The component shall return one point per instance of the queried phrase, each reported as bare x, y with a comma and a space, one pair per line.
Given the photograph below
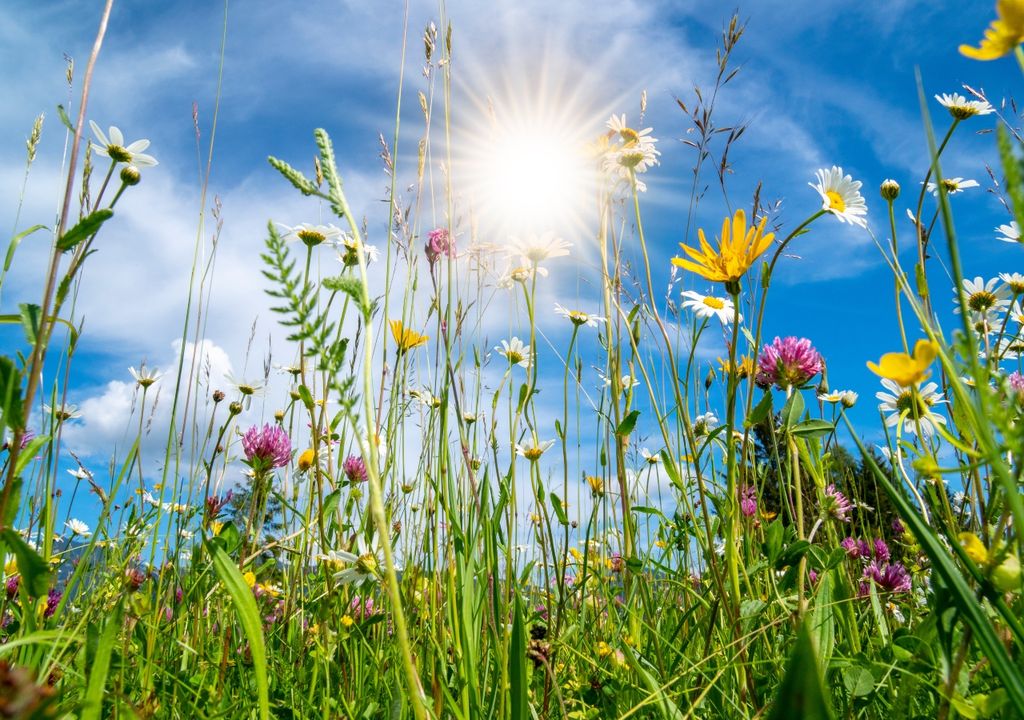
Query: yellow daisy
738, 248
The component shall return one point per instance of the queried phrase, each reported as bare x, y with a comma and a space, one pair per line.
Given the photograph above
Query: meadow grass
436, 526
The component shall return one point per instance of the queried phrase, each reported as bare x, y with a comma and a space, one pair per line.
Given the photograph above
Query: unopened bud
890, 190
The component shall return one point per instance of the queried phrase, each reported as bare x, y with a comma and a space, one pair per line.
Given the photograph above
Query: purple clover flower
1016, 382
267, 447
52, 601
882, 550
439, 243
354, 469
889, 578
748, 500
787, 363
836, 505
852, 547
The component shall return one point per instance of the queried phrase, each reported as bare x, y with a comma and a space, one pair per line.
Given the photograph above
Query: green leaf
15, 241
10, 395
30, 321
249, 616
296, 178
556, 504
351, 286
99, 667
64, 119
86, 227
627, 424
29, 452
518, 681
801, 693
760, 412
793, 410
812, 428
858, 681
35, 573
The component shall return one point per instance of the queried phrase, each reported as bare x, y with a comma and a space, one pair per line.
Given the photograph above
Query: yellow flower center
714, 303
367, 563
533, 454
118, 154
951, 185
629, 136
835, 201
311, 238
981, 300
631, 159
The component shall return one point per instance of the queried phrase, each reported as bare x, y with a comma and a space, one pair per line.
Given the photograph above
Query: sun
527, 170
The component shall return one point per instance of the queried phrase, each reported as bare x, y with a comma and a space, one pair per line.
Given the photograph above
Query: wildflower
881, 550
216, 504
596, 487
306, 460
983, 298
1003, 35
533, 451
266, 447
706, 306
835, 504
744, 368
143, 378
748, 500
603, 649
348, 251
848, 398
906, 370
789, 362
649, 457
1016, 383
912, 406
250, 579
347, 621
112, 145
77, 527
634, 155
354, 469
1009, 233
840, 195
134, 578
439, 243
738, 248
515, 351
1014, 282
63, 413
11, 586
889, 577
703, 423
626, 382
961, 108
363, 564
406, 338
247, 387
854, 548
311, 235
80, 473
52, 601
952, 186
578, 317
890, 190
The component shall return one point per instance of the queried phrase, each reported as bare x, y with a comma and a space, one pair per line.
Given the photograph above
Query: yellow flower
603, 649
347, 621
974, 548
406, 338
1003, 35
216, 526
744, 366
305, 461
738, 248
903, 369
250, 578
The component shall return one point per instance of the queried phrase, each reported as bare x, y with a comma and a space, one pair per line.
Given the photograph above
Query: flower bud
130, 175
890, 190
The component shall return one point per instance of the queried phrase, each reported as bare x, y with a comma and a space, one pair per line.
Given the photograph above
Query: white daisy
984, 299
628, 382
533, 451
80, 473
1009, 348
348, 251
515, 351
952, 185
77, 527
1009, 233
635, 152
706, 306
113, 146
144, 378
1014, 282
247, 387
961, 108
519, 274
535, 249
704, 423
578, 317
311, 235
899, 402
65, 411
649, 457
363, 563
840, 195
848, 398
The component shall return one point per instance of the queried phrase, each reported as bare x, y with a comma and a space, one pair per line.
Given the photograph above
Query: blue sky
822, 83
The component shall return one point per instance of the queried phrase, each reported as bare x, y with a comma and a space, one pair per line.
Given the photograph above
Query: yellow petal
974, 548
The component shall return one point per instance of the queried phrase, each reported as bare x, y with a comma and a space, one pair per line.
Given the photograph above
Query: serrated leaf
793, 410
627, 424
84, 228
30, 314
